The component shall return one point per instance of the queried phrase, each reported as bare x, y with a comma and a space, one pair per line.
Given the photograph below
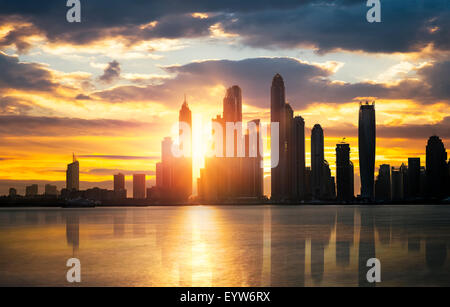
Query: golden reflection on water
226, 246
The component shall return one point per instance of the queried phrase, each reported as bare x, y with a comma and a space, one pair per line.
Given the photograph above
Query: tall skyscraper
436, 168
299, 158
73, 175
277, 115
317, 162
183, 165
139, 186
232, 104
366, 145
344, 172
414, 177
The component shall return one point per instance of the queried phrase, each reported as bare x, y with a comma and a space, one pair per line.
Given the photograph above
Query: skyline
172, 172
109, 87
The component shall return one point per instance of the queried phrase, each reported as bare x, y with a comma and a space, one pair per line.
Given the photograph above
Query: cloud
306, 83
22, 125
108, 171
111, 73
116, 157
406, 26
24, 76
82, 97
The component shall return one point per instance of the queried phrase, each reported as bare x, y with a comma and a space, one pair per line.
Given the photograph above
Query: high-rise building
139, 186
397, 184
299, 158
232, 104
234, 174
413, 177
344, 172
277, 115
183, 165
317, 162
383, 183
436, 168
366, 146
51, 190
159, 175
31, 191
119, 186
73, 175
167, 162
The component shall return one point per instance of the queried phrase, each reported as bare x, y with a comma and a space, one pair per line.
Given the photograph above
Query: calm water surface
226, 246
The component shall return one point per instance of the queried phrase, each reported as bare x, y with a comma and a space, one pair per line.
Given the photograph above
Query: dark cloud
55, 126
325, 25
111, 73
116, 157
23, 76
82, 97
108, 171
305, 83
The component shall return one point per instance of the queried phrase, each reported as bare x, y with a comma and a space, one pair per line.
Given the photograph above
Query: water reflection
227, 246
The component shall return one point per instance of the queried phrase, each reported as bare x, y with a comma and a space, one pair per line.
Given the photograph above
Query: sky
109, 88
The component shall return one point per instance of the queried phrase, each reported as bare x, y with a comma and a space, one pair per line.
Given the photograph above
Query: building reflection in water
344, 234
366, 245
239, 246
73, 230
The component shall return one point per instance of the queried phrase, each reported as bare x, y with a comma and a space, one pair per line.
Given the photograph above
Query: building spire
73, 157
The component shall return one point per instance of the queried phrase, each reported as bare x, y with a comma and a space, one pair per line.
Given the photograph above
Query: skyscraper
119, 186
277, 115
317, 162
183, 165
167, 162
299, 158
139, 186
73, 175
383, 183
366, 145
232, 104
414, 177
344, 172
436, 168
397, 184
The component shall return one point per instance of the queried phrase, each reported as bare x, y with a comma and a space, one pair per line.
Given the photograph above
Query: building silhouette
298, 181
436, 168
31, 190
182, 181
73, 175
366, 146
51, 190
344, 173
414, 177
317, 161
12, 192
383, 183
285, 176
119, 186
139, 186
322, 184
235, 172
